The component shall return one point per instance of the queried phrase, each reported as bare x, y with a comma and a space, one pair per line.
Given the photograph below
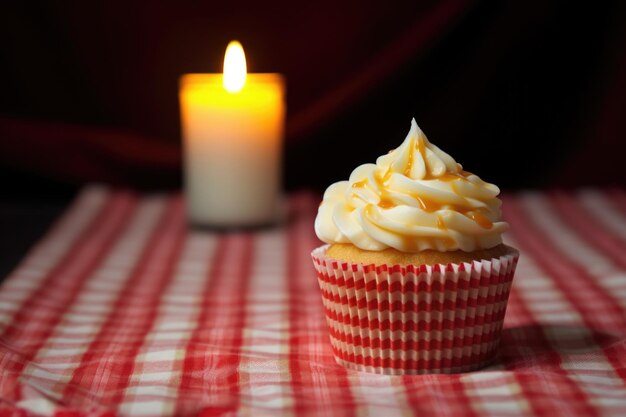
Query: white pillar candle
232, 126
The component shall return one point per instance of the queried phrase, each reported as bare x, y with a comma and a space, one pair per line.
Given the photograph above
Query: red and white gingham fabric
121, 310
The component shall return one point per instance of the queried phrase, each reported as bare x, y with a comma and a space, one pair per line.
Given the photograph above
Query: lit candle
232, 126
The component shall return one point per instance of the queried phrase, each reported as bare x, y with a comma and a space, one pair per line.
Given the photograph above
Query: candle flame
234, 67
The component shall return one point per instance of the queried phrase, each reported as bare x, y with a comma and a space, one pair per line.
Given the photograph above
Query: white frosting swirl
414, 198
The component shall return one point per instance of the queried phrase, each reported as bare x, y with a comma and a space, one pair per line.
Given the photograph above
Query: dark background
526, 94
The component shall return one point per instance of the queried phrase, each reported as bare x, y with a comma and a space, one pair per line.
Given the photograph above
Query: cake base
390, 256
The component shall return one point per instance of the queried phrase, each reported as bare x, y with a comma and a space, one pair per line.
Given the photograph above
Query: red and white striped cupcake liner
395, 320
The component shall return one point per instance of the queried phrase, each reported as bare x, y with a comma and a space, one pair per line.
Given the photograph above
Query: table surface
121, 309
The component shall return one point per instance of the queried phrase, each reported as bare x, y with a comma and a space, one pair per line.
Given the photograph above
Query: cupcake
414, 276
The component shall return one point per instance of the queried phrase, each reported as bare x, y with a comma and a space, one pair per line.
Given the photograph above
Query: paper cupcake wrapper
401, 320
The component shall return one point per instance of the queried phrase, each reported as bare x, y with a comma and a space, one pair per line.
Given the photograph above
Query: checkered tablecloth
122, 310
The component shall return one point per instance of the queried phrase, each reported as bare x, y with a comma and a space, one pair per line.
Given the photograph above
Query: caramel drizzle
421, 145
447, 176
409, 166
480, 219
426, 204
410, 242
360, 184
